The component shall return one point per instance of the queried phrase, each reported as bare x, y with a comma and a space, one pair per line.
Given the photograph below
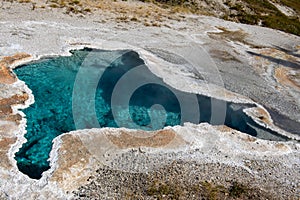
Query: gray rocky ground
254, 65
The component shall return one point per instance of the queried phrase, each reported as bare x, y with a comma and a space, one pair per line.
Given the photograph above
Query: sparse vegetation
206, 190
294, 4
255, 12
237, 190
161, 190
264, 13
24, 1
177, 5
174, 181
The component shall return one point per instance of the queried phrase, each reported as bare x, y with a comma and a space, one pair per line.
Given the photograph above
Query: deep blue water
65, 101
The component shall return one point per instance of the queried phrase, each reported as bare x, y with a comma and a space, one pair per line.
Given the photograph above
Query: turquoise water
154, 105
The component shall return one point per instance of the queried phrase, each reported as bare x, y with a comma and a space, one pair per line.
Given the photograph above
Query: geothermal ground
251, 65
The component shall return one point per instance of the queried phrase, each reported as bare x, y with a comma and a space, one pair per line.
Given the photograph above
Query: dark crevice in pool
52, 81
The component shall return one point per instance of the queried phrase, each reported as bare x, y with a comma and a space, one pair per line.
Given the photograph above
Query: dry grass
244, 11
263, 12
148, 14
294, 4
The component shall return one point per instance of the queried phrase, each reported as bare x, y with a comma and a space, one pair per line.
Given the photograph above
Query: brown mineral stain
232, 35
9, 60
15, 99
159, 139
228, 130
285, 76
6, 75
13, 118
6, 110
223, 128
282, 76
281, 146
263, 116
5, 144
72, 162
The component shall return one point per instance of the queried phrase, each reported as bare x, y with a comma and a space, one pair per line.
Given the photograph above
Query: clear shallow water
151, 106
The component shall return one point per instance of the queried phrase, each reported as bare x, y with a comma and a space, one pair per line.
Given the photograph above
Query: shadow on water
151, 106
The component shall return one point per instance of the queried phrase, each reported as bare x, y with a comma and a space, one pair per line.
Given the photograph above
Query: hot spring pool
54, 82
